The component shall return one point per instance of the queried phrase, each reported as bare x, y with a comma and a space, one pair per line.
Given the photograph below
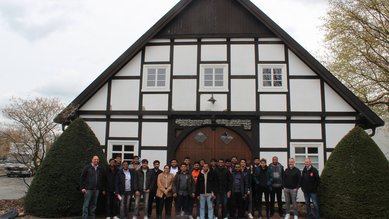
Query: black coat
310, 180
92, 179
139, 177
224, 180
291, 178
211, 183
155, 177
120, 185
243, 186
110, 179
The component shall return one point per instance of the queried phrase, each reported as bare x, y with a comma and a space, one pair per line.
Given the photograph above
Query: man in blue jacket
91, 183
124, 188
263, 179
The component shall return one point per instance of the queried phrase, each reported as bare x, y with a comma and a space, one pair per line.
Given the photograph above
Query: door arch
207, 143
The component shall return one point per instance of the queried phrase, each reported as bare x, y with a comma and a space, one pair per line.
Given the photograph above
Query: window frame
111, 143
272, 88
319, 164
156, 88
203, 88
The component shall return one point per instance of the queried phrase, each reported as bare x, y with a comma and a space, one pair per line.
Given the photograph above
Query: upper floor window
156, 78
214, 77
272, 77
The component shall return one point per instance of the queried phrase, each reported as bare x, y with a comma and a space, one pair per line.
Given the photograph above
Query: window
214, 78
156, 78
300, 151
272, 78
125, 149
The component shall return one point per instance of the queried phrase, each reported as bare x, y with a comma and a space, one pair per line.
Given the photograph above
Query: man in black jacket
124, 188
91, 183
223, 189
291, 184
239, 190
309, 183
156, 171
205, 190
144, 179
110, 183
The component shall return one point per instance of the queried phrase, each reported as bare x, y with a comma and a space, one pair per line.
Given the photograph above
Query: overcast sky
57, 48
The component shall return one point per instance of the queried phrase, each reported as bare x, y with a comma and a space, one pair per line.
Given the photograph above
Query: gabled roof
202, 18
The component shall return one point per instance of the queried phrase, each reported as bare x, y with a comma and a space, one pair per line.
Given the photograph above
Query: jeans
248, 203
137, 203
90, 202
125, 204
205, 198
276, 191
183, 204
110, 204
221, 198
152, 197
291, 194
265, 192
167, 202
308, 197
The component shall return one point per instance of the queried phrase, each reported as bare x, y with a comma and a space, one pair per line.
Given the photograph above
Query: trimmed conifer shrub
355, 179
55, 189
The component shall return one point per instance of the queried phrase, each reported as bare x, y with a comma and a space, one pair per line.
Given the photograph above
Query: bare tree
357, 36
31, 130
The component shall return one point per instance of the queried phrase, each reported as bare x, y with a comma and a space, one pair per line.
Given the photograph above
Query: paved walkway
13, 188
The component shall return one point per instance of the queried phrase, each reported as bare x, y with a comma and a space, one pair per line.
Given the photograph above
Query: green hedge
355, 180
55, 189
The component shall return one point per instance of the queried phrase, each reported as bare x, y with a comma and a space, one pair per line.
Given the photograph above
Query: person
183, 190
278, 171
164, 192
195, 174
202, 162
253, 186
228, 165
223, 189
291, 183
143, 185
263, 181
156, 171
110, 183
118, 161
91, 183
213, 164
248, 198
309, 183
173, 166
205, 190
124, 188
135, 163
234, 161
188, 163
239, 190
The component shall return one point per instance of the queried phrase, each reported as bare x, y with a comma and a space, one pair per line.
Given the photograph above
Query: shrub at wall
55, 189
355, 179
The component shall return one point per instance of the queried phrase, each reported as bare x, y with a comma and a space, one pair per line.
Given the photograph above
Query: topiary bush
355, 180
55, 189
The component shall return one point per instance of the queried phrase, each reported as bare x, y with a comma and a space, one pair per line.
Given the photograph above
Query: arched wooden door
207, 143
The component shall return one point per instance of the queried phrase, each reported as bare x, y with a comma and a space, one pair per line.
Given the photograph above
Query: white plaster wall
272, 102
334, 102
152, 155
220, 104
157, 53
123, 129
125, 95
243, 95
155, 102
132, 68
305, 95
214, 53
98, 101
305, 131
242, 60
99, 129
297, 67
335, 132
271, 52
185, 60
272, 135
184, 94
154, 133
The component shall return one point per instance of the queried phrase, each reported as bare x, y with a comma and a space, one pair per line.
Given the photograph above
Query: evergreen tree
355, 179
55, 190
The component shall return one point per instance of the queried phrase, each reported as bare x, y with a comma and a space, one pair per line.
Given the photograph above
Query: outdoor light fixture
226, 138
212, 99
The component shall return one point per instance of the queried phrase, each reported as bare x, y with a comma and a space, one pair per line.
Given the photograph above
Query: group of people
233, 185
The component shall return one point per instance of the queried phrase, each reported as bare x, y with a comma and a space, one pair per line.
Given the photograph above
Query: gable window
156, 78
214, 77
301, 151
125, 149
272, 77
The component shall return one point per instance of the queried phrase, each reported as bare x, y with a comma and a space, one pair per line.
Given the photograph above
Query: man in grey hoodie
278, 171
